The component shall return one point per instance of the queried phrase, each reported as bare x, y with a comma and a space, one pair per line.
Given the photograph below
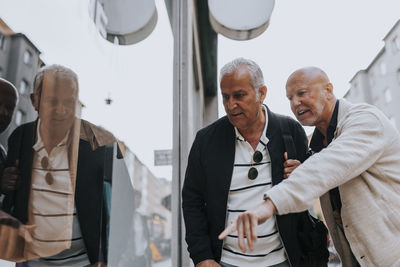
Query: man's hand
7, 219
10, 179
13, 235
208, 263
289, 165
246, 224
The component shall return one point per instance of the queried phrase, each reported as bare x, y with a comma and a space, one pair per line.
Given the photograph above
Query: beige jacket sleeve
358, 145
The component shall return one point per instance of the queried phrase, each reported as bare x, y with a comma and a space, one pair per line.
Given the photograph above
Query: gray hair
256, 76
57, 69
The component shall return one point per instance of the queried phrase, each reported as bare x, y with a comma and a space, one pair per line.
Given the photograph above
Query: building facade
379, 83
19, 62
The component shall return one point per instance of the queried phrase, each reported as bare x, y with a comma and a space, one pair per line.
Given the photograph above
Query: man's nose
295, 101
232, 103
60, 109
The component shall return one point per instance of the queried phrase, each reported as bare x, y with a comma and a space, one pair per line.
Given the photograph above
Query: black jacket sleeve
194, 207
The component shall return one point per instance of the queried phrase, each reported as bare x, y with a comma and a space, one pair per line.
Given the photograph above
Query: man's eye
289, 98
69, 102
51, 102
239, 95
301, 93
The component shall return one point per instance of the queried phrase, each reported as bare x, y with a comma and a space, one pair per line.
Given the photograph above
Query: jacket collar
344, 107
274, 146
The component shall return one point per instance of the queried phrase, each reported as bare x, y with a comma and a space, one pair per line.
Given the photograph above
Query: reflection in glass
58, 162
140, 232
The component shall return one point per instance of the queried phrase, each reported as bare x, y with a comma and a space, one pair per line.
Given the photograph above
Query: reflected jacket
88, 192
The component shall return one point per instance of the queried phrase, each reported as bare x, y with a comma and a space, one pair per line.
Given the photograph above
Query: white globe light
240, 19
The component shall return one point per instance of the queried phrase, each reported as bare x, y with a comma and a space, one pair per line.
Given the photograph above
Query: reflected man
8, 102
68, 216
355, 173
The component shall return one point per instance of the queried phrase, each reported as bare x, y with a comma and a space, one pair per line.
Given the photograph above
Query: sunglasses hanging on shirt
45, 165
253, 172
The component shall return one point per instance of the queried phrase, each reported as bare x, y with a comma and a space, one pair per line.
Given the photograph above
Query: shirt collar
317, 140
39, 145
264, 139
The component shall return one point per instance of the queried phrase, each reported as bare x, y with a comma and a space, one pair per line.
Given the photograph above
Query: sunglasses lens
49, 178
253, 173
45, 162
257, 157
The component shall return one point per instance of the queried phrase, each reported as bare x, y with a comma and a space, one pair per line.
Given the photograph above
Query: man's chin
306, 122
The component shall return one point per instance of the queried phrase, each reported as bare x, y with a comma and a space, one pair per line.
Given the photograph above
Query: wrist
269, 204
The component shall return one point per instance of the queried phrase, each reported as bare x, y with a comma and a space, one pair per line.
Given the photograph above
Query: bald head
311, 97
308, 75
8, 101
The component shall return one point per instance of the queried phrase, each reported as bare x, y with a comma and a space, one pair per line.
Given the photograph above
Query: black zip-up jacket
207, 182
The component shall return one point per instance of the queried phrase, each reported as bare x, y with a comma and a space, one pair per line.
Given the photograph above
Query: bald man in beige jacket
356, 174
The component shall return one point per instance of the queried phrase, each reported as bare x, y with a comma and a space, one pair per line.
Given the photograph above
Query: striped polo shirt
57, 239
245, 194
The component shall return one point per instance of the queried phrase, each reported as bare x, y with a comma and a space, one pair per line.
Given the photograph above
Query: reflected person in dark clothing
9, 226
68, 215
8, 101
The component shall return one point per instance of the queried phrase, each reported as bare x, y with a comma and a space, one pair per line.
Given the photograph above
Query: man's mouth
302, 112
59, 120
236, 114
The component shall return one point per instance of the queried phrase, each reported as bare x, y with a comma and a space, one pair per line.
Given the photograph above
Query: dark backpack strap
290, 148
312, 233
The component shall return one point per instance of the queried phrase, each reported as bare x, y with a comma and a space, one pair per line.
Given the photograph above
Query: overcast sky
339, 36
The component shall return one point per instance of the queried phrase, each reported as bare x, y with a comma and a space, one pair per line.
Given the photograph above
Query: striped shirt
245, 194
57, 239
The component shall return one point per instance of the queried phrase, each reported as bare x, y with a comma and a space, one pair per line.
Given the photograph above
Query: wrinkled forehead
59, 82
306, 77
239, 75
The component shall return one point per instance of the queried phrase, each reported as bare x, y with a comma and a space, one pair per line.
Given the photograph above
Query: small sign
163, 157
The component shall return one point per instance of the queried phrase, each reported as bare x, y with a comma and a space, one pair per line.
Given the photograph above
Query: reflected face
57, 102
308, 98
240, 100
7, 106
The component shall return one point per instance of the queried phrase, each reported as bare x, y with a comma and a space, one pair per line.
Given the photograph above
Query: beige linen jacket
363, 160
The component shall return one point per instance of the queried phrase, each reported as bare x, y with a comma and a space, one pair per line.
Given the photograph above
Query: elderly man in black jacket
231, 164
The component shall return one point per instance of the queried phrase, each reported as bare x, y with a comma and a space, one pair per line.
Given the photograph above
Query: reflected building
19, 62
154, 190
379, 83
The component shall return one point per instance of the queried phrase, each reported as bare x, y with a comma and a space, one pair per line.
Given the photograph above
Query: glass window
27, 57
388, 95
23, 87
397, 42
2, 41
18, 117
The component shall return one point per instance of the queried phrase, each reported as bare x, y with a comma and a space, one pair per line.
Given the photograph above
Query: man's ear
262, 92
329, 88
35, 101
